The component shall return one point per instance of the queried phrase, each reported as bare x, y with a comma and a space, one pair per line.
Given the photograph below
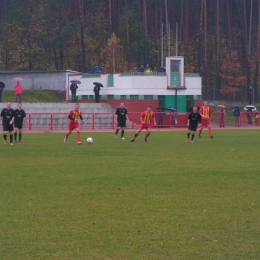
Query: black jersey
121, 113
194, 118
7, 115
19, 115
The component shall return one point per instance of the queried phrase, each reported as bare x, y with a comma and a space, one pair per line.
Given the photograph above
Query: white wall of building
136, 85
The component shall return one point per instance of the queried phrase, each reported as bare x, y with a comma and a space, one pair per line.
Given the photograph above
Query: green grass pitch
164, 199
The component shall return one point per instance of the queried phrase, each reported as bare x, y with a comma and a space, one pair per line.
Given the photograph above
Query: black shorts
193, 127
7, 127
121, 124
18, 125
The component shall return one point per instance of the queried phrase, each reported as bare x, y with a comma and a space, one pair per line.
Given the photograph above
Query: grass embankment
164, 199
34, 96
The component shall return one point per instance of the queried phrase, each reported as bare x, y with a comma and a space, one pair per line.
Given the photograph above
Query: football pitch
164, 199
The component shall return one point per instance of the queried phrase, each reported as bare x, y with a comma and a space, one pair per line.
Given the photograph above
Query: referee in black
194, 119
19, 118
7, 118
122, 116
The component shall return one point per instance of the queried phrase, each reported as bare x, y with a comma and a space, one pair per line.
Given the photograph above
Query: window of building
175, 65
134, 97
148, 97
91, 96
123, 97
110, 97
84, 97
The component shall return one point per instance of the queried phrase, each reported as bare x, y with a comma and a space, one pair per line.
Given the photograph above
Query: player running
205, 112
19, 118
122, 117
194, 119
74, 116
145, 118
7, 118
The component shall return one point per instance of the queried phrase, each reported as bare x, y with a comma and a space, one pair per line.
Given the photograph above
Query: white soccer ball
89, 140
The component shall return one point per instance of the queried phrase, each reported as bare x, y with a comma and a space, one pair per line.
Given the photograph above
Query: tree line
119, 35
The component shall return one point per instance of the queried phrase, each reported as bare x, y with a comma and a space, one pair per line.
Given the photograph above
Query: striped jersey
147, 116
205, 112
75, 115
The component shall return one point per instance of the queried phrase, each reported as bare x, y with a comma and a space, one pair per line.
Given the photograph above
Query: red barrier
250, 118
107, 121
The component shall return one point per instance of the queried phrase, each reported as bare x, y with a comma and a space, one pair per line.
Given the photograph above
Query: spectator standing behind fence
249, 114
2, 85
257, 117
73, 89
159, 115
222, 115
135, 70
236, 114
18, 90
141, 69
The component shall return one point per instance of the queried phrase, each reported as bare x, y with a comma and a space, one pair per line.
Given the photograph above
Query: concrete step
65, 107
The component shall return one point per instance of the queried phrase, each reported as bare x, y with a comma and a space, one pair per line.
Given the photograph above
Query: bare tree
110, 16
218, 78
229, 23
167, 23
6, 35
127, 33
200, 36
203, 29
257, 56
81, 19
145, 32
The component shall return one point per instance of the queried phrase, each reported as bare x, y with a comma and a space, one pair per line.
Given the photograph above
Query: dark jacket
236, 112
2, 85
73, 88
96, 89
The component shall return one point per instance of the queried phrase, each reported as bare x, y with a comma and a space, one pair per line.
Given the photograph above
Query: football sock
15, 135
210, 132
135, 136
78, 137
20, 137
192, 136
66, 136
188, 135
5, 137
200, 132
11, 138
146, 136
122, 133
117, 131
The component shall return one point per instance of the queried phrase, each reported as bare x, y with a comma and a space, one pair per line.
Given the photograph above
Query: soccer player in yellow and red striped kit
146, 118
74, 116
205, 112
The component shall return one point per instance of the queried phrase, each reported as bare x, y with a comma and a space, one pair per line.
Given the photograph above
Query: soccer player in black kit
7, 118
19, 118
194, 119
122, 116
